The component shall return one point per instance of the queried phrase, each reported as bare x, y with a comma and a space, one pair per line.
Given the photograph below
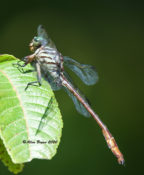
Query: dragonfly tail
108, 136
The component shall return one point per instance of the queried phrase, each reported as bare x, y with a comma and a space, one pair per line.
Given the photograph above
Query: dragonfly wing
86, 73
46, 75
53, 83
55, 86
79, 107
42, 33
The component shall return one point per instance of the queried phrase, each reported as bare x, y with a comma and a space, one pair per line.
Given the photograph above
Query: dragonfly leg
38, 77
32, 83
26, 60
19, 66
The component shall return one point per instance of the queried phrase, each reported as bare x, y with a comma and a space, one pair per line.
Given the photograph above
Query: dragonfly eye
35, 39
36, 42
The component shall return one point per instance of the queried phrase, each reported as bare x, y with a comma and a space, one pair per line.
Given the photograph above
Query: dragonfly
50, 62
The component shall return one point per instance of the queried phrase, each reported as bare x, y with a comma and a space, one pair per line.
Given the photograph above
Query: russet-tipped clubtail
49, 61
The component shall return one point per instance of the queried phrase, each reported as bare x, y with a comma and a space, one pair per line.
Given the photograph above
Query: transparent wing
86, 73
42, 33
53, 82
46, 75
79, 107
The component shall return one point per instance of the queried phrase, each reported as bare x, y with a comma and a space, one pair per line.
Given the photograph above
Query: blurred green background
110, 36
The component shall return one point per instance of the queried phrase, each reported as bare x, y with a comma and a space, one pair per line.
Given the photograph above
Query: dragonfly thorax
50, 61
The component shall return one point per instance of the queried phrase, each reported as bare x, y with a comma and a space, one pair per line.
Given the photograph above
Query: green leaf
6, 57
27, 116
5, 158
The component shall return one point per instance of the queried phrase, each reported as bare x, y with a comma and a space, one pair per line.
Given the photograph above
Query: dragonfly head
36, 43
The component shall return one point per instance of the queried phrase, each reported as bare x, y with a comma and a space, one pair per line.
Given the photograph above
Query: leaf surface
22, 113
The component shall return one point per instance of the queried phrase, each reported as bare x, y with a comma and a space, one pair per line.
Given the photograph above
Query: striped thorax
50, 60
